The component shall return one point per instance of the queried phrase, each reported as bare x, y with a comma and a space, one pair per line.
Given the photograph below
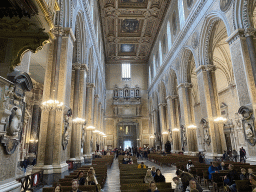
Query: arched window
149, 75
181, 14
169, 37
160, 53
154, 65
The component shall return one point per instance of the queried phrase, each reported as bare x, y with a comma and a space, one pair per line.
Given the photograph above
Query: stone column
156, 127
89, 117
162, 123
100, 126
56, 97
75, 149
210, 107
95, 121
187, 115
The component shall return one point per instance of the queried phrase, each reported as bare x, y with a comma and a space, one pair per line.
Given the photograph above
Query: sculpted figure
14, 122
248, 130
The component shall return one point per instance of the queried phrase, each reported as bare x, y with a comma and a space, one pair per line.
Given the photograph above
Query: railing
32, 181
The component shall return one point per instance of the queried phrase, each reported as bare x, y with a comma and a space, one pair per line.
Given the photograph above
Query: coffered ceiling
130, 28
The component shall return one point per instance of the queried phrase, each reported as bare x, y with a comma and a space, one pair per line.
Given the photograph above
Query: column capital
90, 85
63, 31
96, 96
84, 67
162, 104
172, 97
185, 85
205, 68
250, 31
76, 66
235, 35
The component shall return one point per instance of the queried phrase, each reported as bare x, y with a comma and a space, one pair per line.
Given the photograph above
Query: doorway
127, 144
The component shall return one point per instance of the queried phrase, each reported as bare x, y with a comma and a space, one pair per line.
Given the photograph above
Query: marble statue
14, 122
65, 138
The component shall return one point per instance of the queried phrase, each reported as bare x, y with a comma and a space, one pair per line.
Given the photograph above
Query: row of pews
100, 166
200, 170
132, 178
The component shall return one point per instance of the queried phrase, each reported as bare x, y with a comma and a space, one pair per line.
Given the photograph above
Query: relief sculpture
248, 124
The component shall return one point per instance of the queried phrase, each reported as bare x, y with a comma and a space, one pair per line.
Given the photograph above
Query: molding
239, 33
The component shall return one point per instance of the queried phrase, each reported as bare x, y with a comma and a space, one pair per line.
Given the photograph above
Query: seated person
177, 181
125, 159
93, 171
80, 178
91, 179
152, 187
142, 165
250, 171
222, 166
98, 154
230, 178
185, 178
244, 175
153, 171
189, 165
148, 178
252, 178
192, 185
213, 169
159, 177
75, 185
58, 188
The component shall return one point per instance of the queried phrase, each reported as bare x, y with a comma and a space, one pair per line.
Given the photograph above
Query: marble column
187, 115
211, 108
162, 123
100, 126
156, 128
56, 97
95, 122
75, 150
89, 117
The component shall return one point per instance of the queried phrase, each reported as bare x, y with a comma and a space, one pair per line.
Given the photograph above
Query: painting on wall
130, 26
126, 48
225, 4
174, 23
132, 1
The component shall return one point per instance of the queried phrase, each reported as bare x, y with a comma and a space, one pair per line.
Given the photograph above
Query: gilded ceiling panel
130, 28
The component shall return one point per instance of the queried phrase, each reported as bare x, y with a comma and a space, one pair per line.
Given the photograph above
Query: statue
65, 137
14, 122
207, 138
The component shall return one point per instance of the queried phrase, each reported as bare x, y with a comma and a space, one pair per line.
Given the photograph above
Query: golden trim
47, 14
56, 6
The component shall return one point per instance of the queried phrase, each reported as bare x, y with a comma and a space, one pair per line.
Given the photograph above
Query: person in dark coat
80, 178
75, 185
185, 178
230, 178
25, 165
201, 159
159, 177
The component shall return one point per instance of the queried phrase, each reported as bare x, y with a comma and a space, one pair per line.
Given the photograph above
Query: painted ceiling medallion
130, 28
225, 4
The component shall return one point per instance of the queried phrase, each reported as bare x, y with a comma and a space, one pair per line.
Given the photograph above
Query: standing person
201, 159
25, 165
234, 155
189, 165
185, 178
242, 155
213, 169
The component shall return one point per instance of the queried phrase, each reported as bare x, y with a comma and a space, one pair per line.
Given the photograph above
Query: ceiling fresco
130, 28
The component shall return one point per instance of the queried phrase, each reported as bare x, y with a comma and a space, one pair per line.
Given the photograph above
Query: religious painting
248, 125
130, 26
189, 3
174, 23
132, 1
126, 48
225, 4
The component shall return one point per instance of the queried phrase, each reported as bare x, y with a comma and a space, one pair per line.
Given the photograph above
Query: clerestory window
126, 71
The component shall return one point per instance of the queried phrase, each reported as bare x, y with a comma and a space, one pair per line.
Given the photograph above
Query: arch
210, 21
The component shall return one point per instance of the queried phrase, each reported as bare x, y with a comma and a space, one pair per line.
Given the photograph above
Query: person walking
25, 165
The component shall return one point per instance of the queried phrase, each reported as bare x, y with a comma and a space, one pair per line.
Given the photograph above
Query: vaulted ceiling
130, 28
